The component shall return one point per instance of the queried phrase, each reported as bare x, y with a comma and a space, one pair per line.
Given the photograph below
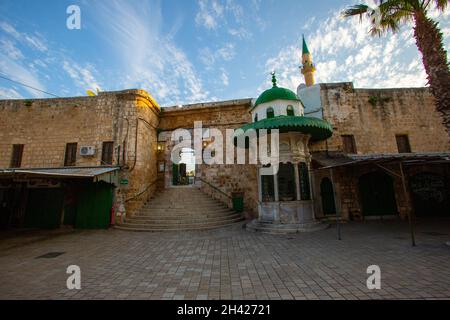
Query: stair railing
214, 188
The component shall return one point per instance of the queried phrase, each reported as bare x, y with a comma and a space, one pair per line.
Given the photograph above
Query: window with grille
349, 144
71, 155
107, 153
403, 143
303, 175
16, 159
270, 113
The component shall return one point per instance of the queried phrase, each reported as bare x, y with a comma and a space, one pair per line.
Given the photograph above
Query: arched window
256, 117
287, 189
290, 111
270, 113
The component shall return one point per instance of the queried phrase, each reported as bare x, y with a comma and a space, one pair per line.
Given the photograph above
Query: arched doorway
183, 173
376, 190
430, 195
327, 194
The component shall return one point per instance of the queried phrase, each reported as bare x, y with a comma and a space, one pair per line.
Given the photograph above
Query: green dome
276, 93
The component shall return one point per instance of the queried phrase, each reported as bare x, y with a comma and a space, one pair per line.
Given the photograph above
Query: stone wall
227, 178
375, 116
45, 126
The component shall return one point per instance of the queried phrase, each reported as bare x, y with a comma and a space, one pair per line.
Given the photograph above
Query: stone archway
377, 196
327, 195
183, 173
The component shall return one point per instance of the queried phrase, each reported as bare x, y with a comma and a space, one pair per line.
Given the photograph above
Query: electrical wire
3, 76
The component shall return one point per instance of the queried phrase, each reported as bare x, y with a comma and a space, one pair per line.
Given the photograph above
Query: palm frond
356, 10
441, 5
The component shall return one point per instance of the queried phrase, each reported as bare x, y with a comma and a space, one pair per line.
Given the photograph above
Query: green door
44, 208
327, 193
94, 206
376, 190
175, 174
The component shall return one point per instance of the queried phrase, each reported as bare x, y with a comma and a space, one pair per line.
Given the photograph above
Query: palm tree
390, 15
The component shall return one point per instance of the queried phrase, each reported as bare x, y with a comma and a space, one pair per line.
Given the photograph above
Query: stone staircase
178, 209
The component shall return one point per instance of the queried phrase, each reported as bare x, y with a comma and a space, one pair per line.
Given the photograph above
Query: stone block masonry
127, 118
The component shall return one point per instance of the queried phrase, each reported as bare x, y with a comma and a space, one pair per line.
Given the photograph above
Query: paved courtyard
230, 263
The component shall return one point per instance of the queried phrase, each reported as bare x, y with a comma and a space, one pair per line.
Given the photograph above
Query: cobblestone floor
231, 263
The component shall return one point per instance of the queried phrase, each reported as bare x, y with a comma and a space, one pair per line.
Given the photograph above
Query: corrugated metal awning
334, 160
107, 174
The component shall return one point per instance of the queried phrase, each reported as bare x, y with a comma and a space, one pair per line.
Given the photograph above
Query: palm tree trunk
429, 40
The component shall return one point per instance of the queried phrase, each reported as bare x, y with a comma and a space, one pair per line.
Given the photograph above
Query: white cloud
224, 78
149, 58
229, 15
240, 33
343, 50
9, 93
35, 41
82, 76
10, 49
210, 13
15, 71
224, 53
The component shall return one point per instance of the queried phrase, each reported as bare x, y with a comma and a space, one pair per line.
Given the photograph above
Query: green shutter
94, 206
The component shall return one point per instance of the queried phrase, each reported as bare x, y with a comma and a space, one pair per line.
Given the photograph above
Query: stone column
275, 187
297, 181
311, 190
276, 209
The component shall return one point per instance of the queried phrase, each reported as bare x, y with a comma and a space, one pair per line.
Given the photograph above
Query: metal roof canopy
341, 160
97, 174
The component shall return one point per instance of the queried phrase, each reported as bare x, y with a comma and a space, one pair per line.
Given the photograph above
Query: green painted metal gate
175, 174
94, 206
44, 208
327, 193
377, 195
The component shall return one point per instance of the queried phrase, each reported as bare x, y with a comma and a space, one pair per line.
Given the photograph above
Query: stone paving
232, 263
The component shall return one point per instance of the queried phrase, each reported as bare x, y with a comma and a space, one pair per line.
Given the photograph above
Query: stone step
266, 227
149, 229
182, 211
181, 226
177, 215
205, 219
180, 207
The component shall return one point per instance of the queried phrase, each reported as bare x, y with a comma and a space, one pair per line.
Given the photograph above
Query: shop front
50, 198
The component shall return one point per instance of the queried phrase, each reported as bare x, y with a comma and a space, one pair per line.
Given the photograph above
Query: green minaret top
305, 46
274, 79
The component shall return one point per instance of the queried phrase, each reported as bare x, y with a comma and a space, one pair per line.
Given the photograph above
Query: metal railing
142, 192
214, 187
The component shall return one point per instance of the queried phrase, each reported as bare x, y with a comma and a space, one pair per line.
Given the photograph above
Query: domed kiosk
285, 197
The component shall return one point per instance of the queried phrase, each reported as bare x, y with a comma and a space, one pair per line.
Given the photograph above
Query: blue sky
187, 51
